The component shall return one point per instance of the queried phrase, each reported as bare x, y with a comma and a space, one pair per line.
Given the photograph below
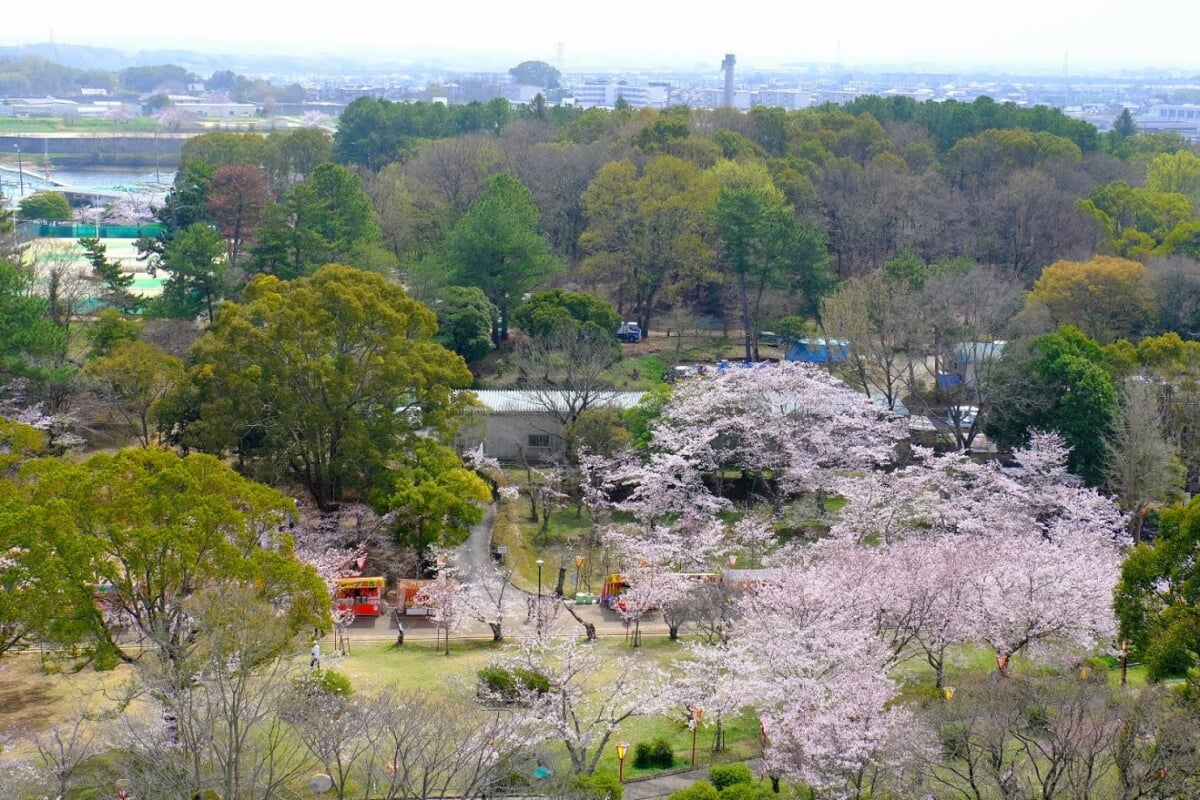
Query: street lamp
697, 713
622, 749
20, 168
539, 597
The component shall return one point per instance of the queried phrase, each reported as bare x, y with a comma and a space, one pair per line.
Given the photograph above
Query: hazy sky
1094, 34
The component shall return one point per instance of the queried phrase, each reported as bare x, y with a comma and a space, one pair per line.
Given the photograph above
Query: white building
1183, 118
517, 425
217, 110
605, 95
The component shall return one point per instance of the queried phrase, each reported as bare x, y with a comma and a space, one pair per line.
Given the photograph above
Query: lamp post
697, 713
538, 623
437, 631
20, 169
622, 749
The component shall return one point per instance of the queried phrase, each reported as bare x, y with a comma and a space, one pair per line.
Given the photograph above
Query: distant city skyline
1029, 35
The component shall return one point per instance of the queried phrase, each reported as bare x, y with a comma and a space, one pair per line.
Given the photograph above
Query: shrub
497, 681
597, 787
700, 790
531, 681
508, 685
744, 791
651, 755
723, 775
324, 682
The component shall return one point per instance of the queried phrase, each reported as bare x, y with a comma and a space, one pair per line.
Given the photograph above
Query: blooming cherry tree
581, 710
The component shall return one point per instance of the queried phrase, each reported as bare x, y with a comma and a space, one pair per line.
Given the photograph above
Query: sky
1088, 35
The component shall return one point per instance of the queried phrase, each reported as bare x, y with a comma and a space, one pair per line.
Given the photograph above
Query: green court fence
50, 231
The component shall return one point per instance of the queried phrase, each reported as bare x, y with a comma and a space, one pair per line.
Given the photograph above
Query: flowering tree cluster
926, 553
791, 424
581, 696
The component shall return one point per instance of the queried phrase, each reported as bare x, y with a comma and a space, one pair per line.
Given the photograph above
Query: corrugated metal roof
517, 401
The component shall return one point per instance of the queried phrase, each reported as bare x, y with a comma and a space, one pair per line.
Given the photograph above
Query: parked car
629, 332
961, 416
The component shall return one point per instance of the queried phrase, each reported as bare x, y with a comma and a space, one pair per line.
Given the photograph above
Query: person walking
315, 662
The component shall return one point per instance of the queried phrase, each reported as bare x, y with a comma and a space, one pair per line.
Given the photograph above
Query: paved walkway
663, 785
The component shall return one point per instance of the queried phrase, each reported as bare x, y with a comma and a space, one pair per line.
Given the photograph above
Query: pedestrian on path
315, 662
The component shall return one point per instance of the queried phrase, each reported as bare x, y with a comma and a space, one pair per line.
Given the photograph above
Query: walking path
663, 785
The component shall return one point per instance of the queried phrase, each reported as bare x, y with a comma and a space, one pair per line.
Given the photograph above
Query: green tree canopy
649, 235
1056, 382
326, 218
535, 73
328, 380
45, 205
195, 263
124, 539
222, 148
432, 498
465, 317
496, 246
115, 280
28, 337
1106, 298
763, 247
132, 379
1158, 597
545, 311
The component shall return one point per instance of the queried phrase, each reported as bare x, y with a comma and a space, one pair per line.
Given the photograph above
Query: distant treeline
34, 76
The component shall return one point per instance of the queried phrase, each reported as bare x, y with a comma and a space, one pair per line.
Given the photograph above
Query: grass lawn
34, 699
415, 666
79, 125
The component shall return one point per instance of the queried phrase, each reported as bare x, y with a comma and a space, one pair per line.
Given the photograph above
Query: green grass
81, 125
641, 372
416, 666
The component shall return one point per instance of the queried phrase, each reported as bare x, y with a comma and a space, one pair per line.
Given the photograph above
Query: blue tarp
819, 351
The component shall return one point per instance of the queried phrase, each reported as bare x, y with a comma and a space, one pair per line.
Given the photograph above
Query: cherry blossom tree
791, 423
705, 681
449, 601
805, 659
434, 747
1013, 557
577, 708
